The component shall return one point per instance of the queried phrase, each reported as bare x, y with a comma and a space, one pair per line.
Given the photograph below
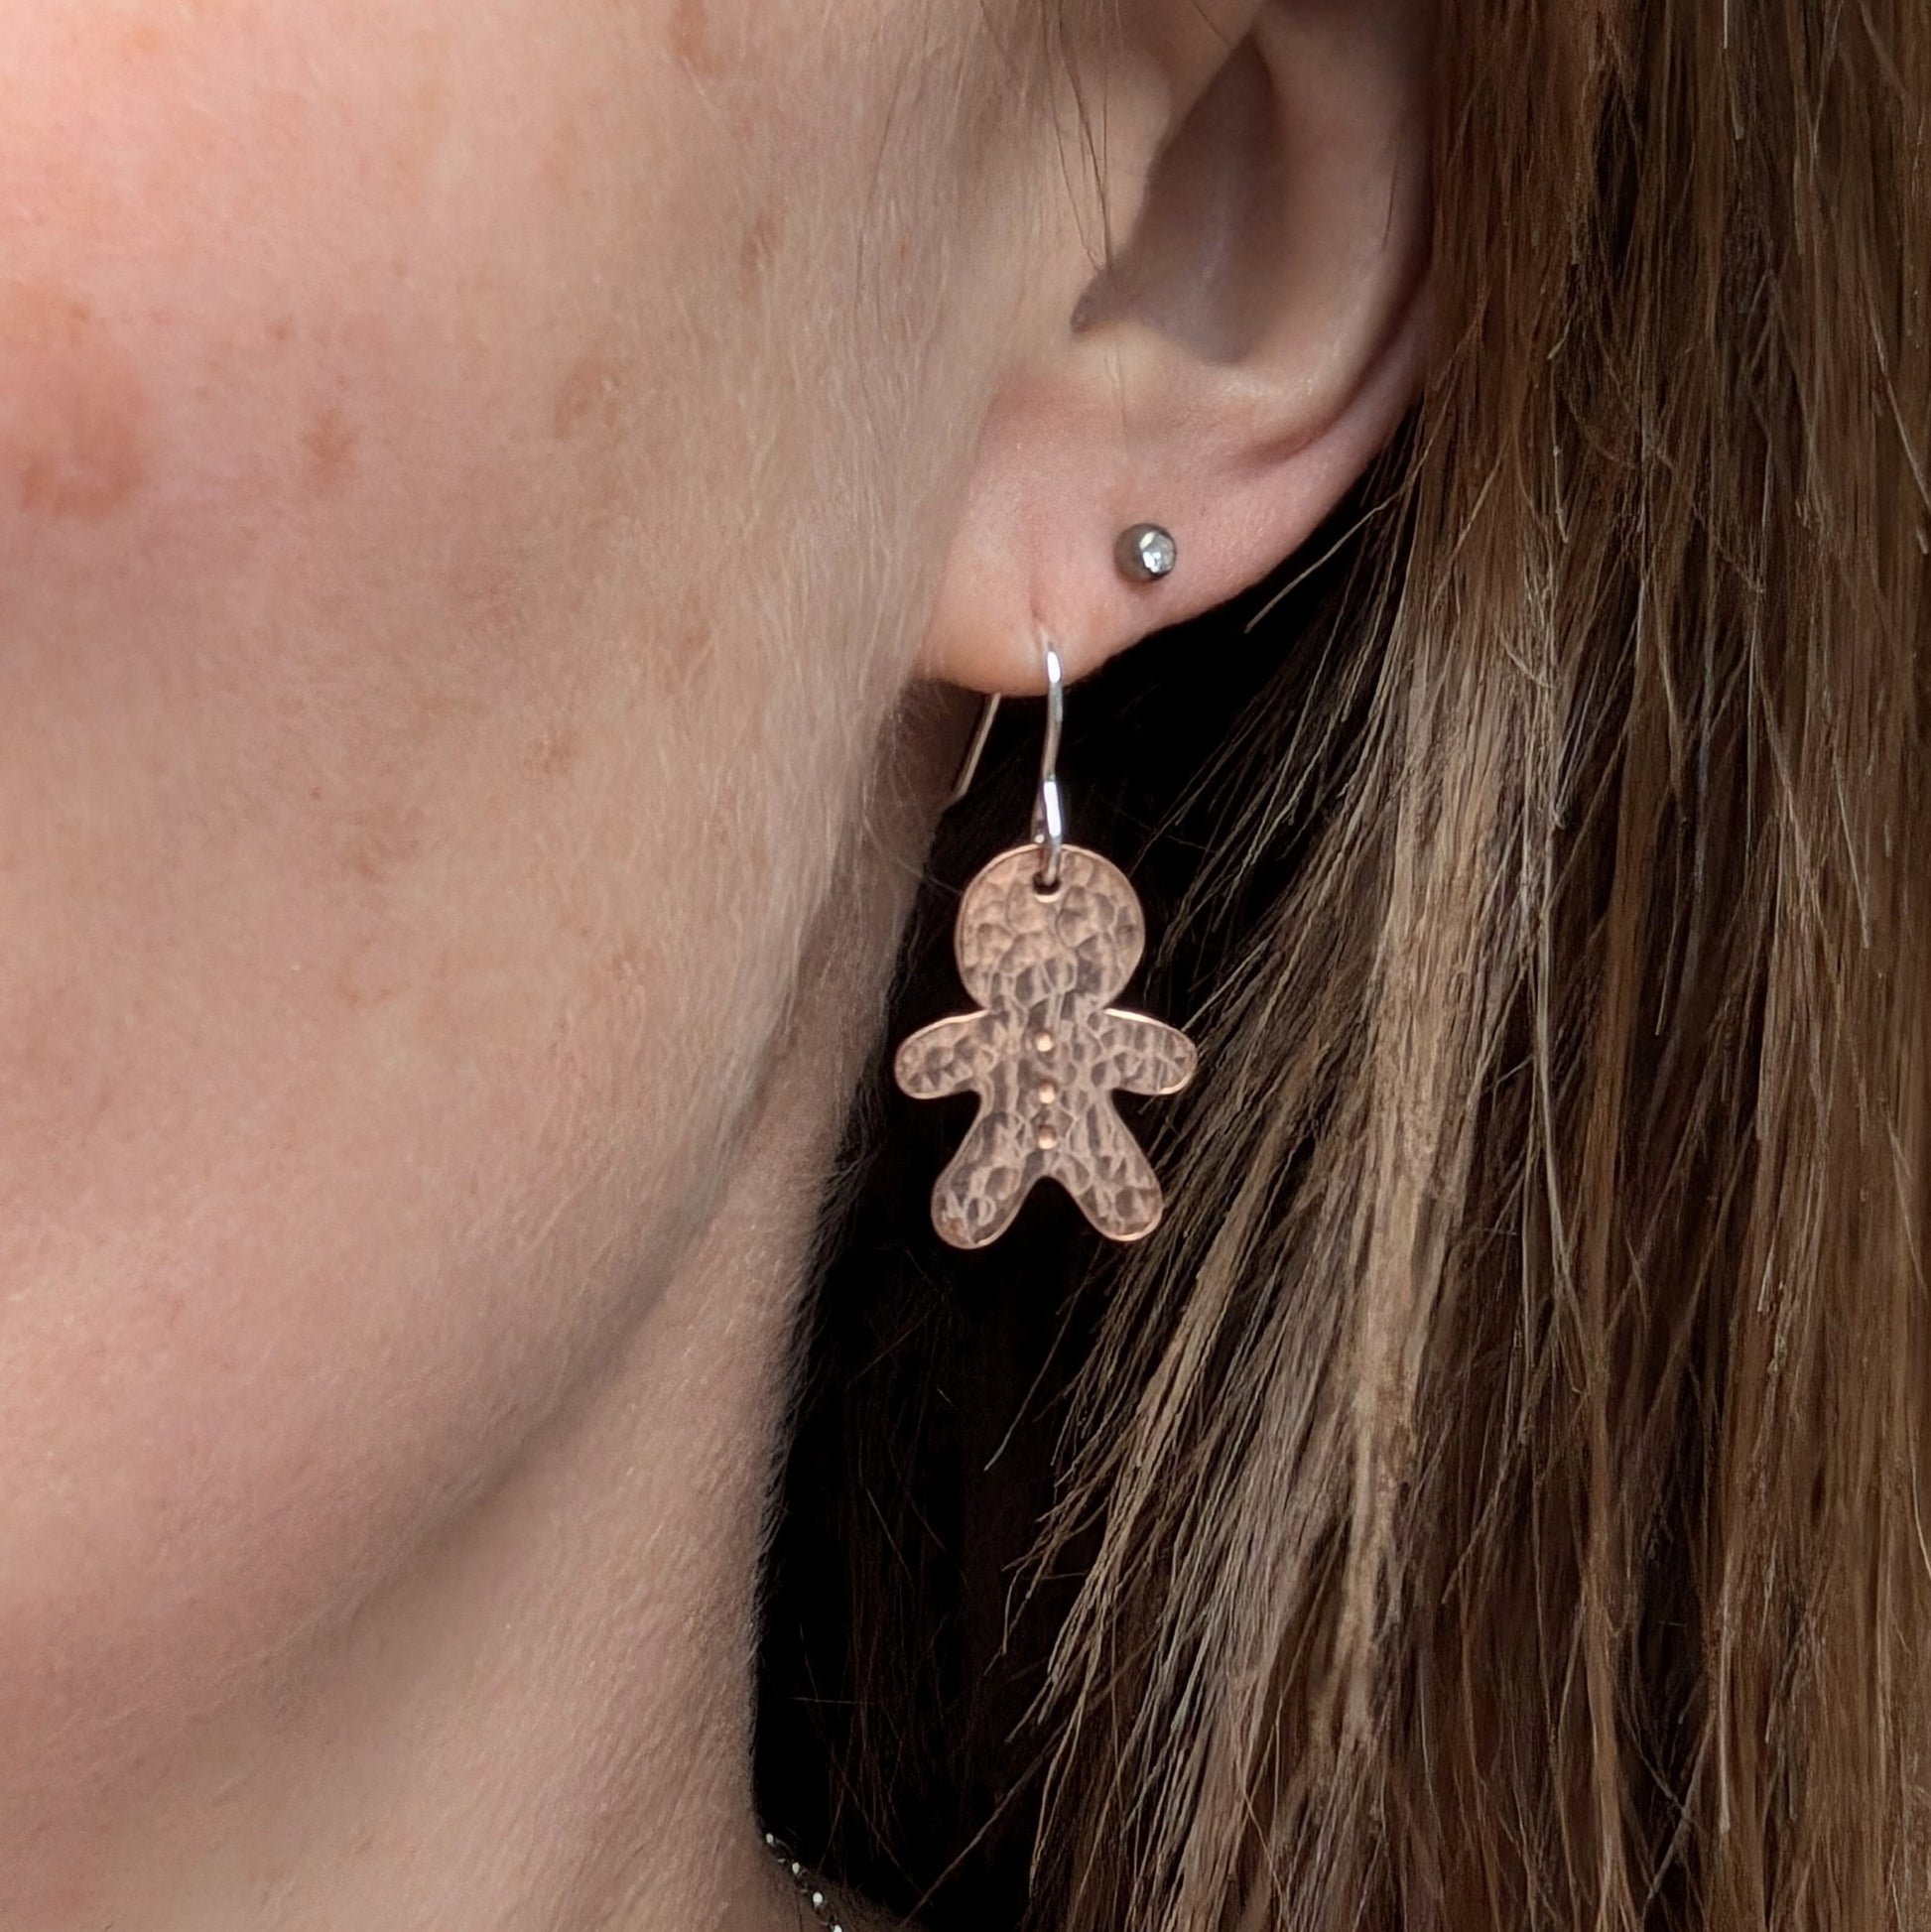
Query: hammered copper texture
1046, 1052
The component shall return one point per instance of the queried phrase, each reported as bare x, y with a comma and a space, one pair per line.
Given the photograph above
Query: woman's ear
1248, 341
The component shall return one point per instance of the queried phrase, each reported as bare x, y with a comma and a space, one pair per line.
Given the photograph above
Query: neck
546, 1718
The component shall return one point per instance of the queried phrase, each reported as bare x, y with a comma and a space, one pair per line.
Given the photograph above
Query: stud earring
1144, 551
1046, 933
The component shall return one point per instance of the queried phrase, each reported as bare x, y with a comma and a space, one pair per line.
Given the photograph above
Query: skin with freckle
487, 490
393, 938
75, 445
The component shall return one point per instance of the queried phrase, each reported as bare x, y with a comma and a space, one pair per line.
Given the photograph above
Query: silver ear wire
967, 766
1145, 552
1049, 808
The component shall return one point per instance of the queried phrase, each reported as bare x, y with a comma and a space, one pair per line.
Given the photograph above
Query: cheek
323, 352
271, 288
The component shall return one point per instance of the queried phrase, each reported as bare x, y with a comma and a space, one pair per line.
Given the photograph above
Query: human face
469, 474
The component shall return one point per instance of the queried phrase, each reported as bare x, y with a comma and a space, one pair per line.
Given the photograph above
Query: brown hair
1496, 1498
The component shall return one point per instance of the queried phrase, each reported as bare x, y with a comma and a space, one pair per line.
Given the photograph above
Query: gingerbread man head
1017, 946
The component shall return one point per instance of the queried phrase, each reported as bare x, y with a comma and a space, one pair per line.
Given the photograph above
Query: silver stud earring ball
1144, 551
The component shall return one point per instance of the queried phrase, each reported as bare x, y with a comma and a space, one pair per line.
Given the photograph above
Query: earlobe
1231, 370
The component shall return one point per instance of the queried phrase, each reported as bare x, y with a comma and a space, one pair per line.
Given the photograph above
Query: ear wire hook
1048, 807
1049, 810
967, 766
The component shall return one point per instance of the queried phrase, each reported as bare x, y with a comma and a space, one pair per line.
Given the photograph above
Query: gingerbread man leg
1103, 1168
974, 1200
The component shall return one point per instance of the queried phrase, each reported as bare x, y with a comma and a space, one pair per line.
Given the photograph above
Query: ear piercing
1144, 551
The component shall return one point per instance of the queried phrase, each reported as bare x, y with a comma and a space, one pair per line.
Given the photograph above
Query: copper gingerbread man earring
1048, 933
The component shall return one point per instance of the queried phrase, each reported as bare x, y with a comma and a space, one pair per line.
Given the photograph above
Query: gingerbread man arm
949, 1056
1139, 1055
